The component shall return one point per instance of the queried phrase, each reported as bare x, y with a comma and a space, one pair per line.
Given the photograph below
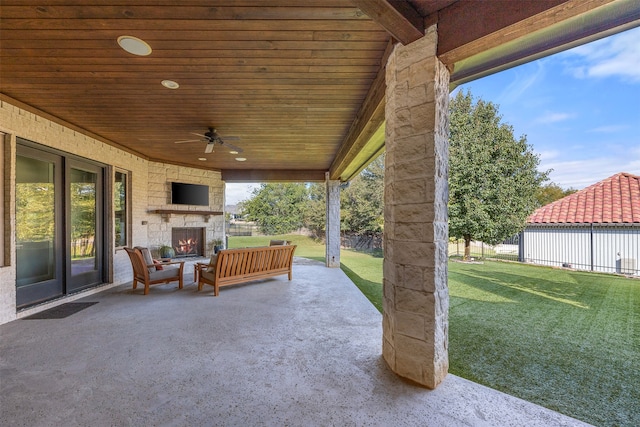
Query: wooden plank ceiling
299, 83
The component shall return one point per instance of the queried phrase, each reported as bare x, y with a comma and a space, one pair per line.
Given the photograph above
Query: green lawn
569, 341
566, 340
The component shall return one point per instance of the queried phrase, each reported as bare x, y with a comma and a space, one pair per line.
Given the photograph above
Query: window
5, 241
121, 209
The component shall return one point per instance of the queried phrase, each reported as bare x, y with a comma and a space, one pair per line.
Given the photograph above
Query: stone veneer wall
332, 245
416, 300
160, 178
148, 188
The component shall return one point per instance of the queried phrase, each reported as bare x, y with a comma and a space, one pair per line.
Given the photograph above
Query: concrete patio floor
274, 352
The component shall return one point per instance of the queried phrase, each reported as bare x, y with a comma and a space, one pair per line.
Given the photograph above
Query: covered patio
274, 352
311, 91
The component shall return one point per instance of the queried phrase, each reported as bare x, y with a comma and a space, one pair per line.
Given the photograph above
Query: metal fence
242, 229
508, 249
605, 248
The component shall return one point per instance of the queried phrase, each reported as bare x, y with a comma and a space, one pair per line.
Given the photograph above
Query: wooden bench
234, 266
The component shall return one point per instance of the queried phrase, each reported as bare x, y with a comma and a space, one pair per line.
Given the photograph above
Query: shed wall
607, 248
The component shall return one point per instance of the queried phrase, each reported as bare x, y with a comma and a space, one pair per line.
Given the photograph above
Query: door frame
62, 243
34, 293
95, 277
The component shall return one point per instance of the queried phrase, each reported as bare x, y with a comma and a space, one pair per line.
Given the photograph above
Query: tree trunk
467, 247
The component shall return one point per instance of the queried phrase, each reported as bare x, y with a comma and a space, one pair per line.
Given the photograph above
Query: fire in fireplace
188, 241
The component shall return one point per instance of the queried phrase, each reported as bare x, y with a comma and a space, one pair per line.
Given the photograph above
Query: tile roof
612, 200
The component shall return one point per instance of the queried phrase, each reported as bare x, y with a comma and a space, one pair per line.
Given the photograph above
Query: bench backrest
254, 261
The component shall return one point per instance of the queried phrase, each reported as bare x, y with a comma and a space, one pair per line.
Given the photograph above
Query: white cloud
582, 173
525, 77
614, 56
235, 193
555, 117
609, 129
548, 154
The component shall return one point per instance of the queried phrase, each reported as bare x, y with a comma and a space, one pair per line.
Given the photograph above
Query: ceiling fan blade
186, 140
209, 148
198, 134
231, 138
231, 147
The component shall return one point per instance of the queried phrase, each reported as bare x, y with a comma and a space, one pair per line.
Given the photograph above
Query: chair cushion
212, 263
166, 273
148, 259
209, 275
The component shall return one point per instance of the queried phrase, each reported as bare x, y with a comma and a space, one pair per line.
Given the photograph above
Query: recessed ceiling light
202, 159
241, 159
170, 84
134, 45
234, 152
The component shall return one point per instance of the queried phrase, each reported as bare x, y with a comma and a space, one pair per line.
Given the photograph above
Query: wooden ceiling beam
264, 175
558, 28
399, 18
368, 120
484, 27
182, 12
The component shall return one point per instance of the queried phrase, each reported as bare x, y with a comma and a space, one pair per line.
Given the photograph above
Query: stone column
416, 297
332, 229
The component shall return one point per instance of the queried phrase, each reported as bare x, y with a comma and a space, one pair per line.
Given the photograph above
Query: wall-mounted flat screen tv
189, 194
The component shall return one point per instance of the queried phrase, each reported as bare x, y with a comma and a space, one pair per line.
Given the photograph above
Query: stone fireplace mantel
166, 213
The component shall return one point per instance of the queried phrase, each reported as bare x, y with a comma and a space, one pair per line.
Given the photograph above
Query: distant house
596, 229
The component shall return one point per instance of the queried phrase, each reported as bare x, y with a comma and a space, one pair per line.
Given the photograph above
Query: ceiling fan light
241, 159
234, 152
134, 45
202, 159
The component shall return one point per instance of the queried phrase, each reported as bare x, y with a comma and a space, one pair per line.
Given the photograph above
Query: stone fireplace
188, 241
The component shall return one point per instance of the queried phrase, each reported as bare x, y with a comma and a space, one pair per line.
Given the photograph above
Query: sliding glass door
84, 219
59, 225
39, 243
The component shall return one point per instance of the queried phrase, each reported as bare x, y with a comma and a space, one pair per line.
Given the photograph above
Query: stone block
411, 325
409, 146
413, 277
423, 117
417, 212
411, 168
410, 190
409, 231
388, 290
422, 72
388, 352
413, 301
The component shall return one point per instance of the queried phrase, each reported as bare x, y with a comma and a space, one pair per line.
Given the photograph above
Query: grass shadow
372, 290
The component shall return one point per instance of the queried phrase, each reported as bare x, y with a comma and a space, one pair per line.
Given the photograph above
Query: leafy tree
315, 213
493, 177
35, 212
362, 203
551, 192
277, 208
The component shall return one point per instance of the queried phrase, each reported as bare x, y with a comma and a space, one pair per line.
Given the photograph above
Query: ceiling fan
212, 138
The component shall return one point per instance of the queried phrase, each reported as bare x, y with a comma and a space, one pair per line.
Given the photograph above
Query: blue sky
579, 109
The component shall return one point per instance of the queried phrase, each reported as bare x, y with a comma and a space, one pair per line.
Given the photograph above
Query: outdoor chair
279, 242
146, 271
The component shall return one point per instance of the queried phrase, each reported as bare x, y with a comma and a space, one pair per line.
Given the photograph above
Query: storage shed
596, 229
